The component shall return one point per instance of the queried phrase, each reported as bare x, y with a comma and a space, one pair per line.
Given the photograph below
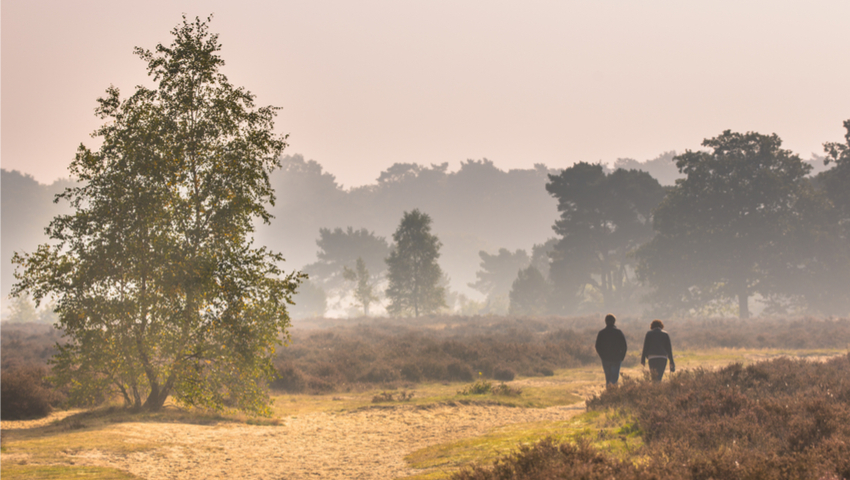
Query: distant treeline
544, 241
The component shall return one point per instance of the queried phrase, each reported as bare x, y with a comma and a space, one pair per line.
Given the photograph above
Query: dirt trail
364, 444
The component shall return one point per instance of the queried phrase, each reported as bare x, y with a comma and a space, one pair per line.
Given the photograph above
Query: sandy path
364, 444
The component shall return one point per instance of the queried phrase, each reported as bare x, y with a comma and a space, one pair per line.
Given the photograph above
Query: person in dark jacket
657, 349
611, 347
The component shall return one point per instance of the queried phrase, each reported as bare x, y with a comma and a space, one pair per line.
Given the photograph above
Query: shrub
25, 394
380, 374
289, 379
507, 390
458, 371
411, 372
480, 387
377, 353
777, 419
504, 374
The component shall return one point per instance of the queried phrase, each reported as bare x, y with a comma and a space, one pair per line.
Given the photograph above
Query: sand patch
365, 444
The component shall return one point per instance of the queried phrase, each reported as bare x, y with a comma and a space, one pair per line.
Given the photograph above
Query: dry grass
57, 472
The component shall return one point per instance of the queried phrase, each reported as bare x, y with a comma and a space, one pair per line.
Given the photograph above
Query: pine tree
414, 275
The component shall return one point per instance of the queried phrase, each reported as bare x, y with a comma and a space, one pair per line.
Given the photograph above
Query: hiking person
657, 349
611, 347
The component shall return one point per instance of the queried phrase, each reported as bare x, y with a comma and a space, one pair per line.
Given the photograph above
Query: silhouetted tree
159, 290
728, 226
339, 248
604, 218
824, 274
364, 291
661, 168
541, 256
310, 198
414, 275
530, 293
836, 181
498, 272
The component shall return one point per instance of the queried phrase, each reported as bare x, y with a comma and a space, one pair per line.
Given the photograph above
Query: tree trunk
156, 399
743, 304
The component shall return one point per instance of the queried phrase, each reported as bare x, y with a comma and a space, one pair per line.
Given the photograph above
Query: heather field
478, 397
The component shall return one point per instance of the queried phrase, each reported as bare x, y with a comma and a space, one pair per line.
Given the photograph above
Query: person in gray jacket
611, 347
657, 349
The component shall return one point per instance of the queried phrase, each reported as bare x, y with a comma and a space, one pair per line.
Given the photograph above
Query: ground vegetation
782, 418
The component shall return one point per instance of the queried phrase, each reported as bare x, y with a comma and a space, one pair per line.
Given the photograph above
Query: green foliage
604, 218
414, 275
483, 387
731, 227
158, 287
364, 291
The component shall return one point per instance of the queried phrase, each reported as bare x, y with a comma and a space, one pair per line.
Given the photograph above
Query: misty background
477, 209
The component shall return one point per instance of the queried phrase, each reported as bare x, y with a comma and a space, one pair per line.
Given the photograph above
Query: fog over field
475, 206
433, 240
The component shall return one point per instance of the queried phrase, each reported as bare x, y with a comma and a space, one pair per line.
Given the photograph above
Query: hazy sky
369, 83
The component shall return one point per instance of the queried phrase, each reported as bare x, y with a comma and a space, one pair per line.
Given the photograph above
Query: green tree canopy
604, 218
414, 274
157, 286
729, 228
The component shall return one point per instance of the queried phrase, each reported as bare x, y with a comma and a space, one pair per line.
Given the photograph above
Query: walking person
657, 349
611, 347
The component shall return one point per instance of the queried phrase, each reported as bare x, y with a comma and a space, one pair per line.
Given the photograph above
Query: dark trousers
657, 367
612, 372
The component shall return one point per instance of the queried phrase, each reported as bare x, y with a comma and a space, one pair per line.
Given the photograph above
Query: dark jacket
657, 342
611, 344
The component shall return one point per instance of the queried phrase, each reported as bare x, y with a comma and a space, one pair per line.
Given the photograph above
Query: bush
458, 371
504, 374
378, 353
411, 372
289, 379
380, 374
773, 420
25, 394
384, 352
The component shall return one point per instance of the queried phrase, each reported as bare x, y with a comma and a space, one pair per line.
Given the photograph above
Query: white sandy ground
364, 444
